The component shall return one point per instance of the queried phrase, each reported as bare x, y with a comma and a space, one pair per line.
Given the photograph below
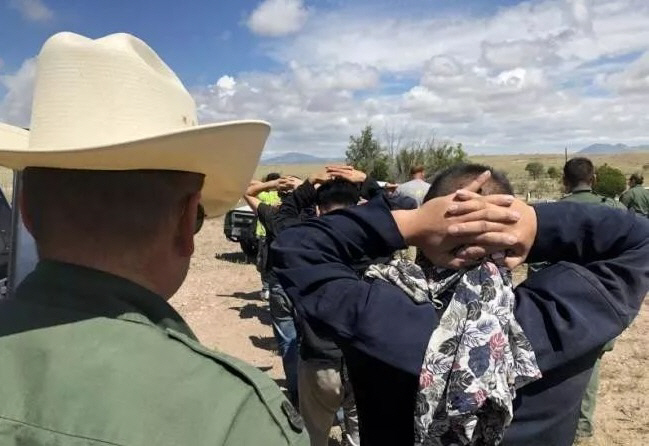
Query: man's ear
186, 226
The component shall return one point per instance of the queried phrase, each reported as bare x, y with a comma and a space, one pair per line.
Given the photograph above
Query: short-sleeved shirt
637, 199
415, 189
88, 358
270, 198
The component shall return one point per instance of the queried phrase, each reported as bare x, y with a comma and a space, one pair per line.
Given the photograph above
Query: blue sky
500, 76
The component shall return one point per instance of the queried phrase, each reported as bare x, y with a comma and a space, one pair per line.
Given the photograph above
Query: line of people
316, 374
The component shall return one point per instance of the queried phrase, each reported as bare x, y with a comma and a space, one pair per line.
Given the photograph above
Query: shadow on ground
249, 311
232, 257
253, 295
264, 342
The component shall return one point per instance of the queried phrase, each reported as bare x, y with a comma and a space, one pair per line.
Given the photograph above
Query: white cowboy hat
11, 136
113, 104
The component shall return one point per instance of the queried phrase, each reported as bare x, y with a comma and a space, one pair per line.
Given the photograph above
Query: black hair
460, 175
637, 178
336, 193
272, 177
578, 171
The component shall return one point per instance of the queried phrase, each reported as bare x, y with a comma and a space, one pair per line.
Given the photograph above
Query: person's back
122, 368
579, 180
271, 198
636, 197
586, 195
417, 187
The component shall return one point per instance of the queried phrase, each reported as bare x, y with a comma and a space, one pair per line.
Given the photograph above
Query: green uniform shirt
637, 199
87, 358
586, 195
270, 198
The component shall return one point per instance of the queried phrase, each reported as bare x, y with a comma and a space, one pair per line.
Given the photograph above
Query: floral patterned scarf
476, 358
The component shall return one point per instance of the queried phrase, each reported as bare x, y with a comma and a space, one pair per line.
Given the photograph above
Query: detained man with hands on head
446, 349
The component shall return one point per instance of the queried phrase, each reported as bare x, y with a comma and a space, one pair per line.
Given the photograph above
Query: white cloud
632, 80
278, 17
580, 12
15, 107
226, 85
525, 78
33, 10
345, 76
536, 76
512, 54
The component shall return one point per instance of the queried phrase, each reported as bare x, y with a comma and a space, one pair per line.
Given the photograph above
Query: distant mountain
595, 149
297, 158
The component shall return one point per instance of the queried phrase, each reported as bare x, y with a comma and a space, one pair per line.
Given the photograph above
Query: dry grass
513, 165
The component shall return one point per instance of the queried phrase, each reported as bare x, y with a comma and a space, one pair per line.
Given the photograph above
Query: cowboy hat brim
226, 153
12, 136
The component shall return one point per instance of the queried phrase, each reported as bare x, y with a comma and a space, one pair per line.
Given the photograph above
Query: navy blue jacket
591, 293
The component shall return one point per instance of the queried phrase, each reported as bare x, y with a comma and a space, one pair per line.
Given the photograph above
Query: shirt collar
100, 294
581, 189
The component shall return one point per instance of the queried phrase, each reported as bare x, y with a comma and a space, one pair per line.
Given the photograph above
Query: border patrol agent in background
117, 178
636, 197
579, 179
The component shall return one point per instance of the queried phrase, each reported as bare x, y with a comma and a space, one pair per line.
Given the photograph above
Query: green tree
535, 169
553, 173
611, 182
405, 159
430, 154
365, 153
439, 157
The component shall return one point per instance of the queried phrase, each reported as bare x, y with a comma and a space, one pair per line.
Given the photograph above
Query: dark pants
281, 313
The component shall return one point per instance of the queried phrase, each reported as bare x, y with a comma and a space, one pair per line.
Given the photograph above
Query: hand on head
460, 229
289, 183
319, 177
347, 173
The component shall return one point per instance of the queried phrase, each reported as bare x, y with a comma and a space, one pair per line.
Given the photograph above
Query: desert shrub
611, 182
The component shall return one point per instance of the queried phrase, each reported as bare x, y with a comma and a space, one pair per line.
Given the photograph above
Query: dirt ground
220, 302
